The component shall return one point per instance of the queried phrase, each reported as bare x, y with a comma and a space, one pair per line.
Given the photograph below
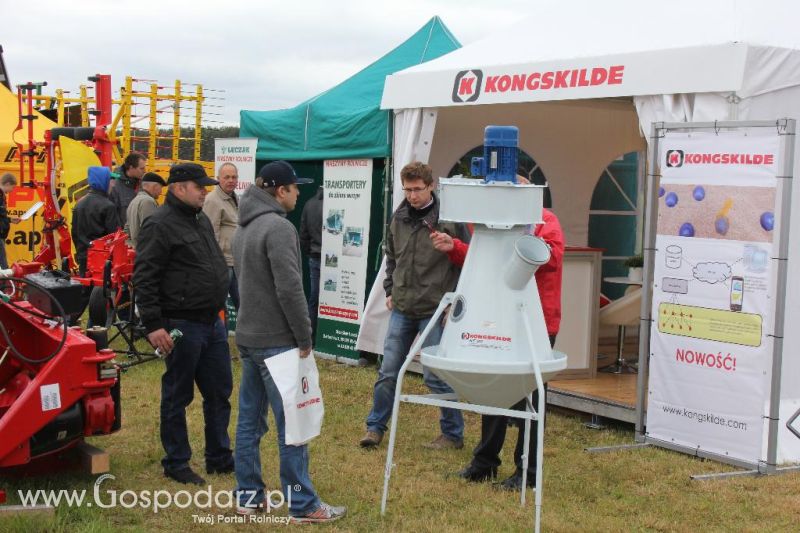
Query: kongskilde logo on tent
674, 158
467, 86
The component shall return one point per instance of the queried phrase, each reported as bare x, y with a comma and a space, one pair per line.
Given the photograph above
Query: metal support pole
446, 300
648, 252
786, 129
84, 107
198, 122
152, 147
176, 123
127, 100
537, 371
60, 107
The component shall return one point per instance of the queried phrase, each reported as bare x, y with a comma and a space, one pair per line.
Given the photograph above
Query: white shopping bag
297, 379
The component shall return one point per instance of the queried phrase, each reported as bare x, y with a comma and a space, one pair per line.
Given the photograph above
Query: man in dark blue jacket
94, 216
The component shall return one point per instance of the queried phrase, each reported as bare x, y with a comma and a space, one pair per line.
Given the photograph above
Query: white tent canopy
582, 80
675, 48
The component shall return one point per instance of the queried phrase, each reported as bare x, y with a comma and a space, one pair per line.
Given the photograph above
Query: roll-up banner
343, 270
714, 290
241, 151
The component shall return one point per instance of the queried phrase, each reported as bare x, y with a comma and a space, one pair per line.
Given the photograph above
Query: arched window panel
613, 218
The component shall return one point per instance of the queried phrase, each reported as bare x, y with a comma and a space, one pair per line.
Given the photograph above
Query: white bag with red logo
297, 379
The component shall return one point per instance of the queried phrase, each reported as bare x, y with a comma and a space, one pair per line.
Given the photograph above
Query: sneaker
444, 443
185, 475
228, 468
371, 439
323, 513
242, 510
476, 474
514, 482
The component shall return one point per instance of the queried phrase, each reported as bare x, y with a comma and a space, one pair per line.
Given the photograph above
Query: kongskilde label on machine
51, 397
484, 340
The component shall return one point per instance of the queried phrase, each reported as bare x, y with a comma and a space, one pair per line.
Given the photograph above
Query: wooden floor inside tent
606, 395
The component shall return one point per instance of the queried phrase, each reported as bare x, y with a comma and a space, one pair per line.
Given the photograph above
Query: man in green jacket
417, 277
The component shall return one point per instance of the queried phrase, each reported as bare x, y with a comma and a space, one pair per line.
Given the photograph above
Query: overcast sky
263, 54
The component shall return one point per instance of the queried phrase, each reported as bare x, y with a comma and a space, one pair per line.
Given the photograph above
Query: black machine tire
84, 134
55, 133
101, 308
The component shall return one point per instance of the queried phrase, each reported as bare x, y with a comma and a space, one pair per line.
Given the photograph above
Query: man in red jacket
486, 457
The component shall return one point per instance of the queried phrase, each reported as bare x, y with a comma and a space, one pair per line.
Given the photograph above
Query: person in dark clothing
311, 245
127, 184
181, 281
94, 215
7, 184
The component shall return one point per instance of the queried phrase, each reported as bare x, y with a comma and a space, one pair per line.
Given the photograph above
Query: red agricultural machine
58, 384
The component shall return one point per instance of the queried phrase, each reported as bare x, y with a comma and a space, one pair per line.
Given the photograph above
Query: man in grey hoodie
273, 318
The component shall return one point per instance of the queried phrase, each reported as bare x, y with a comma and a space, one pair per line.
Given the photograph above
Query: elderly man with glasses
417, 277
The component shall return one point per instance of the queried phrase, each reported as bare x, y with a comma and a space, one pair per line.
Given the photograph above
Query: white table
622, 280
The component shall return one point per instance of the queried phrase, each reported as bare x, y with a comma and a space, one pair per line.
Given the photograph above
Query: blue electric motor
499, 161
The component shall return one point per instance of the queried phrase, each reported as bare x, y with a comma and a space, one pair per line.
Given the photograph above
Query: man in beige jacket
143, 204
222, 209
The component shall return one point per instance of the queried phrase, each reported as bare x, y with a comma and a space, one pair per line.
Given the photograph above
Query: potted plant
635, 264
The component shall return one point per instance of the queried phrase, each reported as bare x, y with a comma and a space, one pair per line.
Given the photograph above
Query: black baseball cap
280, 173
190, 172
152, 177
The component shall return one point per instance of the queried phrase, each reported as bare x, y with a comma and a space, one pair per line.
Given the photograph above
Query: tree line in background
186, 143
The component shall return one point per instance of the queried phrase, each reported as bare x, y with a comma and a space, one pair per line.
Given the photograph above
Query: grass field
639, 490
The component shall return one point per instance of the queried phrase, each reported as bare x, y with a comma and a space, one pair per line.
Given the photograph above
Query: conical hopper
496, 326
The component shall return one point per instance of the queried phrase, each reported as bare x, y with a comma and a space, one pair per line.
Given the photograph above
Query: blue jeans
313, 294
233, 287
256, 392
201, 356
399, 338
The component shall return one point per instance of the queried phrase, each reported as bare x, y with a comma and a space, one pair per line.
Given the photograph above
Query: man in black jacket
311, 245
181, 281
94, 215
127, 184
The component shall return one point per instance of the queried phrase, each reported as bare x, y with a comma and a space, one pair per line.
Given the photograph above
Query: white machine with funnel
494, 349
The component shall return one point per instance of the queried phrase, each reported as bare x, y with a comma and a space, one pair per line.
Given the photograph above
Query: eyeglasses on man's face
413, 190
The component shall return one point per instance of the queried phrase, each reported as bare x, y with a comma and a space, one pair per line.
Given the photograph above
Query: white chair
622, 312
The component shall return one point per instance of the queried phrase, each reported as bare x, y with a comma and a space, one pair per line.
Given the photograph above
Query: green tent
345, 121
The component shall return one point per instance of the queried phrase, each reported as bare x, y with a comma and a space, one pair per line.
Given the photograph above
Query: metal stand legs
450, 401
621, 366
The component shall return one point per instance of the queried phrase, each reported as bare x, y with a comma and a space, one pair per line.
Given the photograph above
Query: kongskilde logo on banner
677, 158
674, 158
467, 86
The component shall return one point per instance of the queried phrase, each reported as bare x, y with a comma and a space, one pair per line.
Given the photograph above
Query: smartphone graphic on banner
737, 293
